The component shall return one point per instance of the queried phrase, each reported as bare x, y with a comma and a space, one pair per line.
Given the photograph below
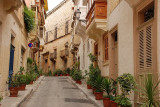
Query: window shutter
145, 49
141, 49
149, 47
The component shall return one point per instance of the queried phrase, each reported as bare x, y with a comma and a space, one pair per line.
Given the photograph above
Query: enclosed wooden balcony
96, 18
64, 53
53, 56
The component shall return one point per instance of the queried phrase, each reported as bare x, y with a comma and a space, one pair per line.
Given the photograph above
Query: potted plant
123, 101
127, 84
13, 86
98, 86
89, 84
107, 87
68, 71
93, 73
77, 76
150, 91
22, 82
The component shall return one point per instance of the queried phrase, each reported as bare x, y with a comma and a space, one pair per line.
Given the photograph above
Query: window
66, 28
55, 33
145, 48
22, 56
106, 48
149, 14
46, 36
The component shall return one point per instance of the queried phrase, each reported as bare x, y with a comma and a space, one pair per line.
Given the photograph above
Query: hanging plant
29, 19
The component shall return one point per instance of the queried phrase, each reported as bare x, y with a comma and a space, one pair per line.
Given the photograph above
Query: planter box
22, 87
79, 81
113, 104
13, 91
89, 87
98, 95
106, 102
31, 82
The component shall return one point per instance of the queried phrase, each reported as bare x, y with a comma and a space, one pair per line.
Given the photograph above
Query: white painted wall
123, 17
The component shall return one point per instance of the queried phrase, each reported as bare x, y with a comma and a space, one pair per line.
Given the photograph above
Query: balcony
133, 3
35, 47
74, 48
11, 5
97, 19
64, 53
53, 56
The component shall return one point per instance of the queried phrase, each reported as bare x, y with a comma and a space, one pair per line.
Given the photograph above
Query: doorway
96, 53
114, 55
11, 62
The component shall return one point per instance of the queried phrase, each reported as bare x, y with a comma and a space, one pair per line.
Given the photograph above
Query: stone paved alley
57, 92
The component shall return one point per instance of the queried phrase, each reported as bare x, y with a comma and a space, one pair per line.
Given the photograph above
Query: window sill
106, 63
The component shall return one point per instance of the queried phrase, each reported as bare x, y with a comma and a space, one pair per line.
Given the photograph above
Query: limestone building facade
126, 38
56, 52
13, 41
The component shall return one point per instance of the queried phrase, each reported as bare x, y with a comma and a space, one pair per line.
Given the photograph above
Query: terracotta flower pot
22, 87
106, 102
93, 90
31, 82
79, 81
113, 104
89, 87
13, 91
98, 95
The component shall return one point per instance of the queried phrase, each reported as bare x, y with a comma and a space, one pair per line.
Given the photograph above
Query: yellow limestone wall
11, 24
58, 17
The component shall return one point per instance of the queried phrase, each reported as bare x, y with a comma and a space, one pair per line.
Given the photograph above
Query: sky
53, 3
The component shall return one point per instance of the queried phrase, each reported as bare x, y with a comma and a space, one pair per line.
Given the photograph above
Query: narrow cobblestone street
57, 92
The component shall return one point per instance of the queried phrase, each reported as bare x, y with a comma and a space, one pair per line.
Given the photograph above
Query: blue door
11, 62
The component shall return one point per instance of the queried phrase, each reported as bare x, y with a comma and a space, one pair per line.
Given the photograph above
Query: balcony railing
36, 46
98, 10
53, 56
64, 53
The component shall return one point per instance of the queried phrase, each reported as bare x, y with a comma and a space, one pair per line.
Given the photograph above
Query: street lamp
78, 13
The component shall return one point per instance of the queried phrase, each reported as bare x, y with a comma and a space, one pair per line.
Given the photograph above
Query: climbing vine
29, 19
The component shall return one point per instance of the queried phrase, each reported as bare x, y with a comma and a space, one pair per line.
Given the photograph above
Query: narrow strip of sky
53, 3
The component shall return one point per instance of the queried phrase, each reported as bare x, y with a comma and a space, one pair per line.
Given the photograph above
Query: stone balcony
11, 5
64, 53
53, 56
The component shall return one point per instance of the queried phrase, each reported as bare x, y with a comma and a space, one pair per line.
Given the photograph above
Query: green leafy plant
77, 75
14, 81
49, 73
92, 57
97, 84
150, 91
123, 101
22, 79
93, 74
29, 19
107, 86
126, 82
